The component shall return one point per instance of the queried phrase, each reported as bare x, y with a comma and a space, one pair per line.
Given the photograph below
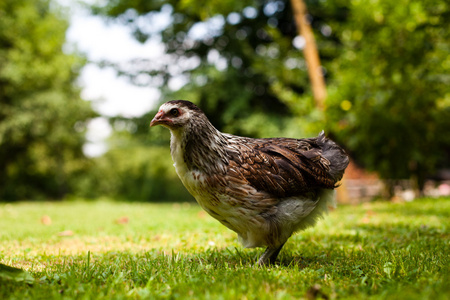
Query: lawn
113, 250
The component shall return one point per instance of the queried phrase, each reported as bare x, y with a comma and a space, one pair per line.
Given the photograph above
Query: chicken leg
269, 256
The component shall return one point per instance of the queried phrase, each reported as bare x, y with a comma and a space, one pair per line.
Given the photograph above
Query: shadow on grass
312, 259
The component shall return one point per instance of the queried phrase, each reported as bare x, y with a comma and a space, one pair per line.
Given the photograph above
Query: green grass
371, 251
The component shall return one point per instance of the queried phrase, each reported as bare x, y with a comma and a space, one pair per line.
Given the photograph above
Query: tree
390, 95
244, 71
42, 117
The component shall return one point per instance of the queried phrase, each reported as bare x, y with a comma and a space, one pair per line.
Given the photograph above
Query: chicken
262, 189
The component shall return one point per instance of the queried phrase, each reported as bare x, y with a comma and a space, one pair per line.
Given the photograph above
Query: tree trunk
310, 52
418, 176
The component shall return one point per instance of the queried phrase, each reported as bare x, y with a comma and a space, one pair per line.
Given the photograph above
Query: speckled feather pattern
263, 189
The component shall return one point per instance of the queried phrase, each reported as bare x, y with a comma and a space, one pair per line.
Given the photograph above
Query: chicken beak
158, 119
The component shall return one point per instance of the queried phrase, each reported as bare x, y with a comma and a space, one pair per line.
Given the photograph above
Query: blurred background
81, 80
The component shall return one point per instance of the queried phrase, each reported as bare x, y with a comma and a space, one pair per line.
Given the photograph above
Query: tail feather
335, 154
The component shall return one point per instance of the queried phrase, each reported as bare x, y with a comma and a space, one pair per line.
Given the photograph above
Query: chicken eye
174, 112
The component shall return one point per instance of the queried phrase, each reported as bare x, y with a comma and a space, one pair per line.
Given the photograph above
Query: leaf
122, 220
66, 233
46, 220
388, 268
11, 273
315, 292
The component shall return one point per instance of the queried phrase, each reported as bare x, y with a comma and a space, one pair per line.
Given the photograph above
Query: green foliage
42, 118
135, 173
390, 95
245, 65
372, 251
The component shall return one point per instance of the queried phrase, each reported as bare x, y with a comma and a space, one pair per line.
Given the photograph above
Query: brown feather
280, 167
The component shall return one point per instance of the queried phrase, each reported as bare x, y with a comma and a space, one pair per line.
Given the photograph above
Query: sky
110, 95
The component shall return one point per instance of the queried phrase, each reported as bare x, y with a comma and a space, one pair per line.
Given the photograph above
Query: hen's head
176, 114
